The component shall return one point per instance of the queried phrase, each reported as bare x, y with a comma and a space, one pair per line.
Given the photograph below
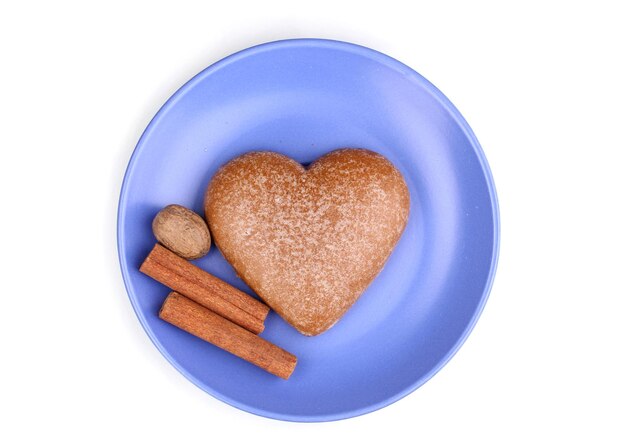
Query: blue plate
303, 98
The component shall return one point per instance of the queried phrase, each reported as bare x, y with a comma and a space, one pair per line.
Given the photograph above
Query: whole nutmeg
182, 231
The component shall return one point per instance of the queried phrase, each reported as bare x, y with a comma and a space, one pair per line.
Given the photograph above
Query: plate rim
377, 57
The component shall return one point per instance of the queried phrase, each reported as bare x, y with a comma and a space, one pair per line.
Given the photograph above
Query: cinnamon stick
193, 318
177, 273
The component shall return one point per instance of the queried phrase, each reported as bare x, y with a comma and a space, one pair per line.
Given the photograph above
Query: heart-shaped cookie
310, 240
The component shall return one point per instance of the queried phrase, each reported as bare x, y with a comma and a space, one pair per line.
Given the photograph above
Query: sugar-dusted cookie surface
310, 240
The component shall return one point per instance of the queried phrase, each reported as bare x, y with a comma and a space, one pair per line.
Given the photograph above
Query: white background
543, 86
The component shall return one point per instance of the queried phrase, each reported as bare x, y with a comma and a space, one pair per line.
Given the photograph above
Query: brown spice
182, 231
203, 323
218, 296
